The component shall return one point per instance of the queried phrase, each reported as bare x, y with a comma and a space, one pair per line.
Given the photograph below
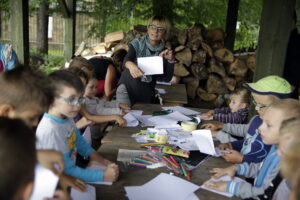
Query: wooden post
231, 20
69, 34
276, 24
19, 29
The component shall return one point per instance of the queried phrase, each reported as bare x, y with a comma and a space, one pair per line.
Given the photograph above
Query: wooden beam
231, 21
64, 8
276, 24
69, 34
20, 29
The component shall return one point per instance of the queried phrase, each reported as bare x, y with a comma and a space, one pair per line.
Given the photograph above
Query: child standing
236, 113
251, 149
58, 131
265, 173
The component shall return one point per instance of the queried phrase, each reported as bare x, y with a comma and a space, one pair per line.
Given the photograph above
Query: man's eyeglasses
73, 101
259, 106
156, 28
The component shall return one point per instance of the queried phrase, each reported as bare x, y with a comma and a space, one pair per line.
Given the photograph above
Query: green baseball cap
271, 85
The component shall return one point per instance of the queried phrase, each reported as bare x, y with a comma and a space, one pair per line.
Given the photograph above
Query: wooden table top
120, 138
176, 94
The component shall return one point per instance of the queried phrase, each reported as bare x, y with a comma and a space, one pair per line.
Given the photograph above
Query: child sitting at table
236, 113
57, 130
265, 173
251, 149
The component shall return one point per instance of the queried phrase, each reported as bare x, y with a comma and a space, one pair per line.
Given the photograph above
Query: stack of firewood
207, 68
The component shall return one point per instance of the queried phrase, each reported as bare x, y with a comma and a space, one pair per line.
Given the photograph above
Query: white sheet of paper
225, 178
90, 193
168, 126
131, 120
183, 110
161, 90
45, 182
204, 141
126, 155
192, 196
87, 135
171, 118
98, 167
144, 119
136, 112
163, 186
151, 65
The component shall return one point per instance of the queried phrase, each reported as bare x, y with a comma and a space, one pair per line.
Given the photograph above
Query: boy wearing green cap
251, 149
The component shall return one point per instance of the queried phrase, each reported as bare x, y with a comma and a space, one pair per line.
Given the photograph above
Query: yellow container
188, 126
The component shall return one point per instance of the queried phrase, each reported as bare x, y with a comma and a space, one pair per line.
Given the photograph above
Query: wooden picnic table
175, 96
120, 138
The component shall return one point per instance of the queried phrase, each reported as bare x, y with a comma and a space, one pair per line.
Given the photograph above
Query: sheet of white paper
204, 141
171, 118
192, 196
225, 178
87, 135
90, 194
183, 110
161, 90
136, 112
189, 146
151, 65
98, 167
131, 120
168, 126
126, 155
163, 83
164, 186
45, 182
144, 120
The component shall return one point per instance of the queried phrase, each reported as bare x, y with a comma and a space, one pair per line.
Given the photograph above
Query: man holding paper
147, 60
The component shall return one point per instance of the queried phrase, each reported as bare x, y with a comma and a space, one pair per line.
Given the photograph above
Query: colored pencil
174, 161
152, 144
149, 159
137, 164
143, 161
168, 160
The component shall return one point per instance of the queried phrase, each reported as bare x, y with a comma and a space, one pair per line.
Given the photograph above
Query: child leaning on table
251, 149
58, 131
266, 173
236, 113
288, 149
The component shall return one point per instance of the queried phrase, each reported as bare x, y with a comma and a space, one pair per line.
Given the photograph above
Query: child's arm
258, 151
230, 117
66, 181
224, 110
240, 130
48, 158
233, 156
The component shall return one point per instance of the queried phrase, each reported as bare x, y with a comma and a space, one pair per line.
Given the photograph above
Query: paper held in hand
151, 65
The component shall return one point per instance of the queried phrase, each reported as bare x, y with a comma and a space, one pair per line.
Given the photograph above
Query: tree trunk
164, 8
231, 20
42, 28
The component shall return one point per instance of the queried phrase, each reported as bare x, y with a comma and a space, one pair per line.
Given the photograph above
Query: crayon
152, 144
174, 161
137, 164
169, 161
142, 161
149, 159
183, 170
188, 175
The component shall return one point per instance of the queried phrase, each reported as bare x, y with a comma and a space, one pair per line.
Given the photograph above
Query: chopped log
187, 79
238, 68
224, 55
182, 37
114, 36
184, 56
191, 88
217, 45
205, 96
130, 35
216, 67
172, 38
179, 48
215, 84
175, 80
88, 52
195, 37
139, 28
207, 48
199, 56
219, 101
199, 71
121, 46
229, 82
251, 62
215, 35
180, 70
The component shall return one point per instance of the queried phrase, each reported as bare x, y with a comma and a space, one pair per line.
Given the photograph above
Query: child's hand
66, 181
225, 146
111, 173
83, 122
220, 186
233, 156
120, 120
213, 126
60, 195
51, 158
124, 106
219, 172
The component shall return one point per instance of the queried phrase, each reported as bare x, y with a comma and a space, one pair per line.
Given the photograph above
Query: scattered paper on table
126, 155
136, 112
131, 120
161, 90
90, 193
144, 119
163, 186
151, 65
45, 182
204, 141
169, 119
225, 178
183, 110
